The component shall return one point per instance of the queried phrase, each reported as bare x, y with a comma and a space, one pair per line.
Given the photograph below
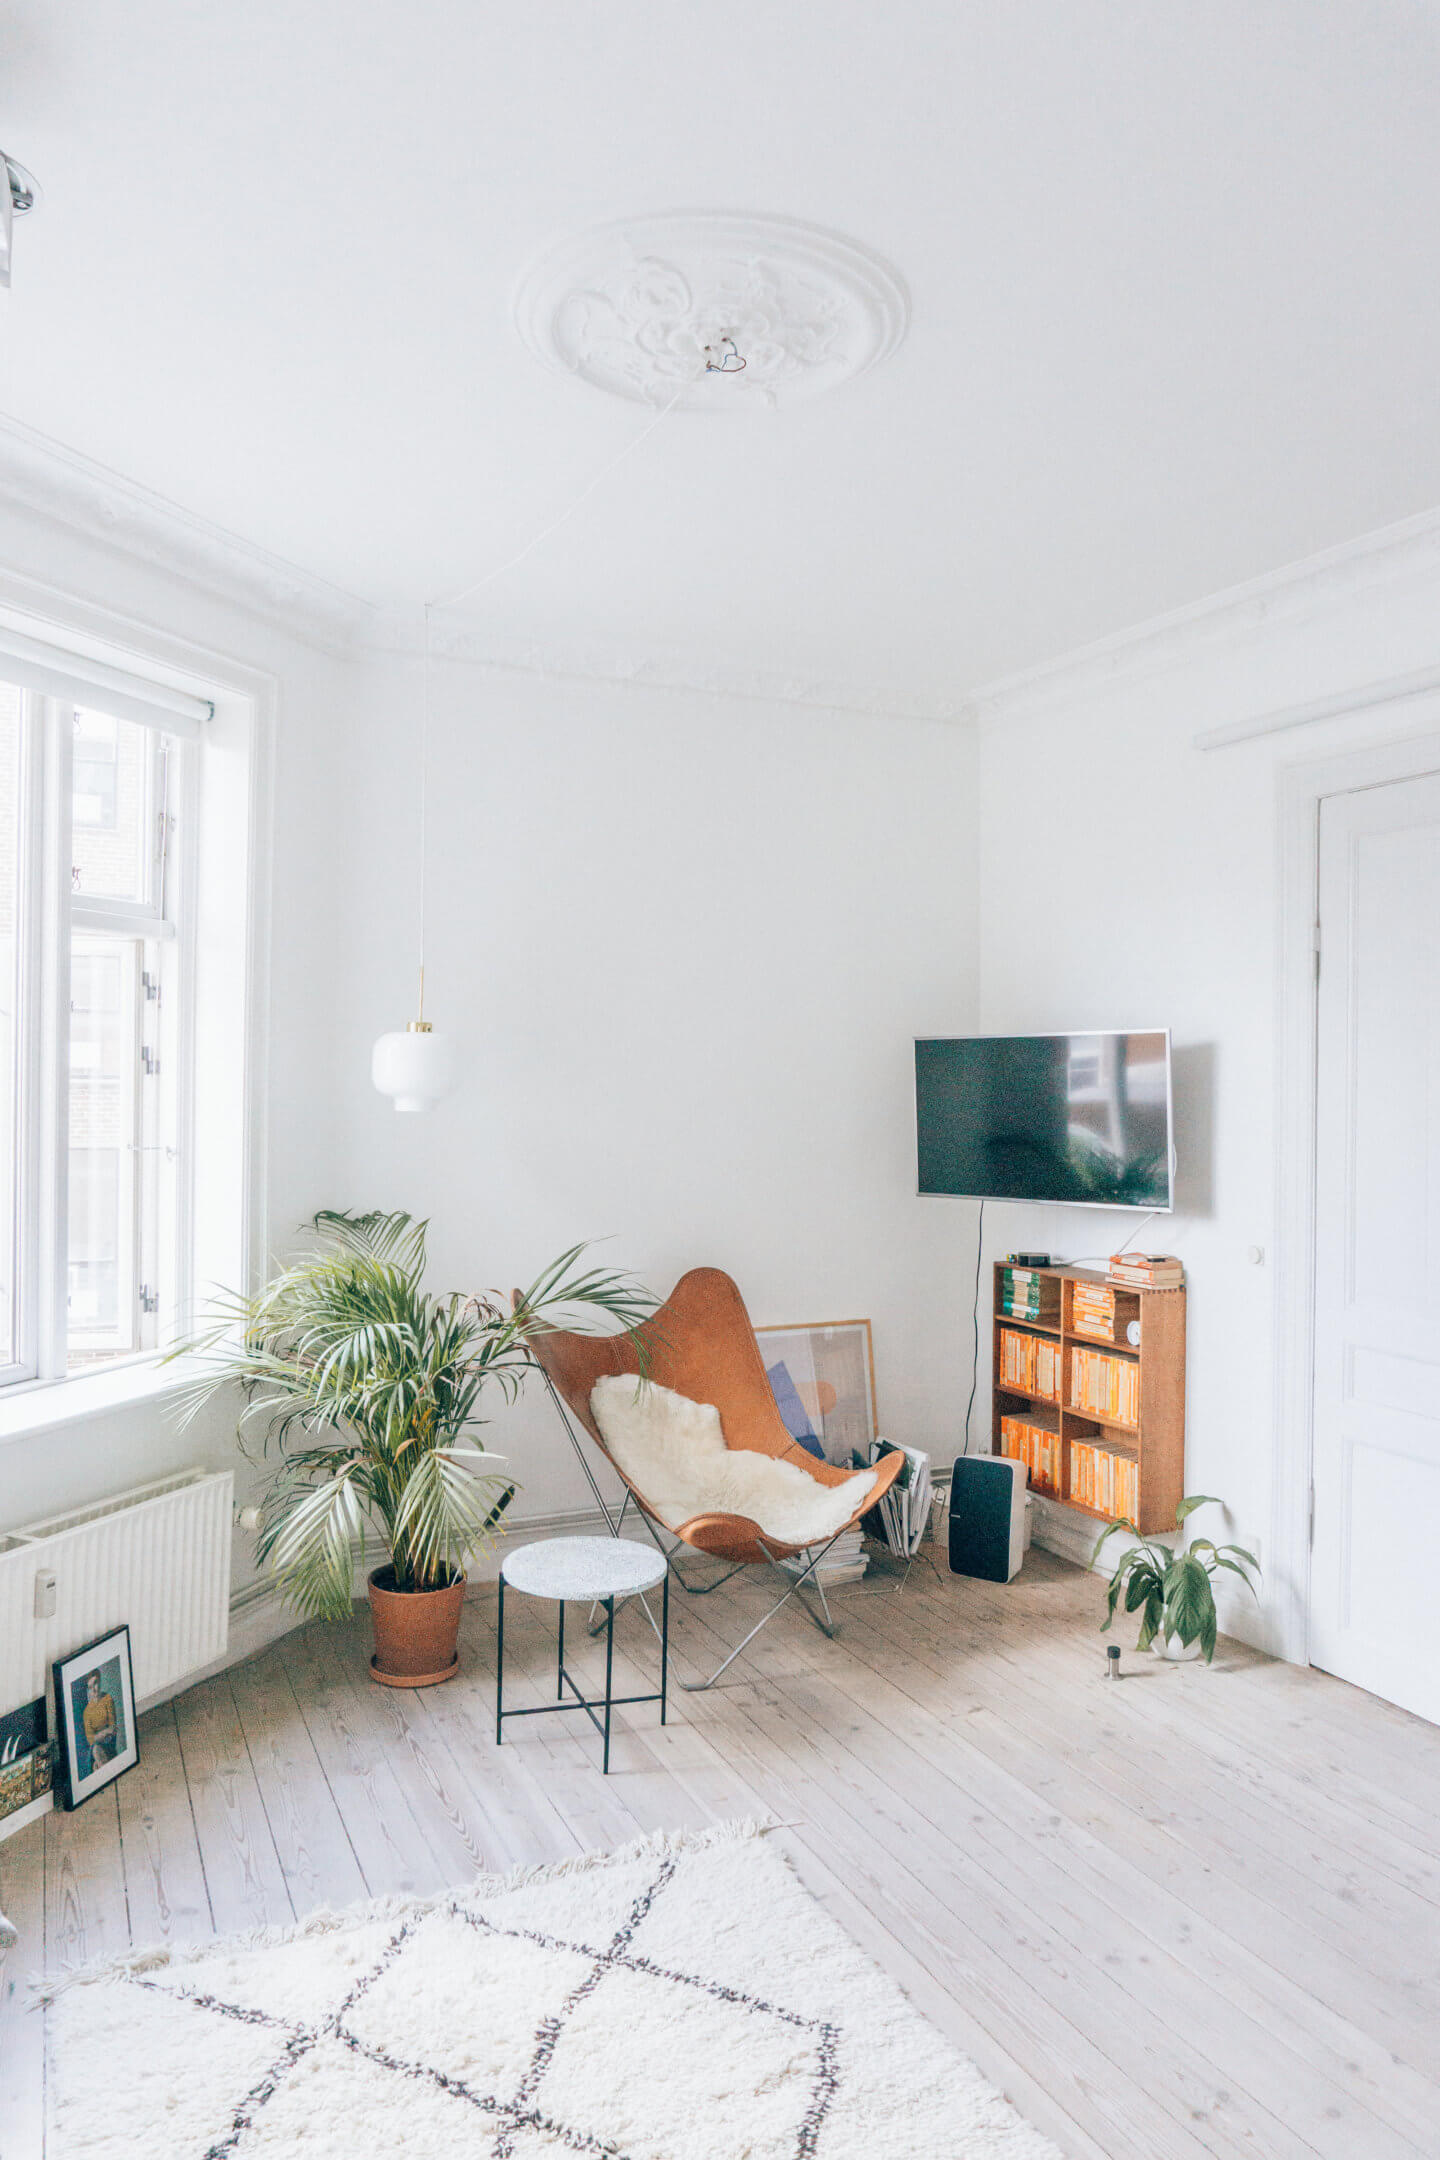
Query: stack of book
1037, 1449
845, 1562
1020, 1293
1030, 1363
1106, 1387
1101, 1480
1092, 1311
1147, 1270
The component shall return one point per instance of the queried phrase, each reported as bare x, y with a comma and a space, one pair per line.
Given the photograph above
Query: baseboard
1072, 1537
570, 1522
259, 1615
1060, 1531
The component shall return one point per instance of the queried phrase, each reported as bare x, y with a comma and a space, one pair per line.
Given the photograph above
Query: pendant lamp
415, 1066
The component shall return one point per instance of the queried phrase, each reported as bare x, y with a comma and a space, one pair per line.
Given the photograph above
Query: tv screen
1080, 1118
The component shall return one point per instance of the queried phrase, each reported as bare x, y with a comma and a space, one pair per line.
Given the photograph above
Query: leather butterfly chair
701, 1344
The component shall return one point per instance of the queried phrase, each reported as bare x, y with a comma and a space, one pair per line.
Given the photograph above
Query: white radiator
157, 1558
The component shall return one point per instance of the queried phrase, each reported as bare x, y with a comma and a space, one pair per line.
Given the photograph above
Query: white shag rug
682, 1999
674, 1451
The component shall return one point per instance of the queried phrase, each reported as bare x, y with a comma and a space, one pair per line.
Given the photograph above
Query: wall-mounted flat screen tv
1078, 1118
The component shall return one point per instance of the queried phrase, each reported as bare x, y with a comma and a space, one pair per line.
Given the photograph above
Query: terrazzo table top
583, 1567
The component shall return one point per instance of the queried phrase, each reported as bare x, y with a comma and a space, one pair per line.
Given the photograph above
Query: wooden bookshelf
1155, 1442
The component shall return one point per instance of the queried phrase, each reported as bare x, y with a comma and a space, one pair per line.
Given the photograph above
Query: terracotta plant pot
416, 1632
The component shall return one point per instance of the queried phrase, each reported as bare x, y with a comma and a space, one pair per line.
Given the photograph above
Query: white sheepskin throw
674, 1452
682, 1999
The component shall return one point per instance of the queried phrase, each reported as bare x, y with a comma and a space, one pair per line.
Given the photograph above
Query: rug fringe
656, 1845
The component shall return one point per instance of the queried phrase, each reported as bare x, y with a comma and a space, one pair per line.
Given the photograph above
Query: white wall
1129, 879
685, 942
90, 1456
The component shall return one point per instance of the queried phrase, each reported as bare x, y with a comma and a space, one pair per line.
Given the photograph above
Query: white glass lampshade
416, 1066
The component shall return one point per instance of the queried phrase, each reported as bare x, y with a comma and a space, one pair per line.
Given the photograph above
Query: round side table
597, 1570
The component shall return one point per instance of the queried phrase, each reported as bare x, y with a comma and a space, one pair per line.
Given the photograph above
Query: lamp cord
975, 1326
1107, 1257
424, 785
467, 592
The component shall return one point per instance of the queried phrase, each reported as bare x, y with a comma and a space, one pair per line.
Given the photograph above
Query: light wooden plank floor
1197, 1913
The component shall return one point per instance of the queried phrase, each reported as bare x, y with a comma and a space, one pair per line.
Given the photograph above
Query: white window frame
216, 1031
32, 1017
164, 919
53, 914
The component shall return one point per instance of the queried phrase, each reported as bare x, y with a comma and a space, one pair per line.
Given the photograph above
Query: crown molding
672, 669
1356, 697
72, 491
1293, 594
1296, 593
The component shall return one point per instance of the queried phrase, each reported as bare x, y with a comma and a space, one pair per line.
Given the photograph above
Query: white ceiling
1176, 316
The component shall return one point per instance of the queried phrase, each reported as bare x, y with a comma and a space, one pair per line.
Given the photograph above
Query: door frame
1303, 787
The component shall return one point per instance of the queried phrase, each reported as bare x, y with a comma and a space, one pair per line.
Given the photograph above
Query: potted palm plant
366, 1385
1173, 1592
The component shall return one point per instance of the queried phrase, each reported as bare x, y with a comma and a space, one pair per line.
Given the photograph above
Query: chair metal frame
615, 1523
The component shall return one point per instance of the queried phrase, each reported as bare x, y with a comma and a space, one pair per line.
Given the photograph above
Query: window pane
11, 714
112, 808
105, 1063
94, 1240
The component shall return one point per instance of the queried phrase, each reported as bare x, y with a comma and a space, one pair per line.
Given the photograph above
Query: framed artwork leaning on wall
823, 1381
94, 1717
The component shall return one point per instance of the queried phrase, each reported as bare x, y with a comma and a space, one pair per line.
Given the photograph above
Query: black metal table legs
607, 1703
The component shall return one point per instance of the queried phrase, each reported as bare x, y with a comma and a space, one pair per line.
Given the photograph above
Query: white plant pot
1171, 1647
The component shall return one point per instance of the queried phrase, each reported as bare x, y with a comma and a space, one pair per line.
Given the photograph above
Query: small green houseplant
367, 1386
1173, 1591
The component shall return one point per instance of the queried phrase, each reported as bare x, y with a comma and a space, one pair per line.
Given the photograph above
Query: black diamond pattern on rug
598, 1997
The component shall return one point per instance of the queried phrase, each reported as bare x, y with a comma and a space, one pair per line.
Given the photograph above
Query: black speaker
987, 1517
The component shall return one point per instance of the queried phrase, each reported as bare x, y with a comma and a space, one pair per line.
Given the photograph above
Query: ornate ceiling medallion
647, 306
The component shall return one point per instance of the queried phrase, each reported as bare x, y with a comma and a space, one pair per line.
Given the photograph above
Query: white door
1375, 1570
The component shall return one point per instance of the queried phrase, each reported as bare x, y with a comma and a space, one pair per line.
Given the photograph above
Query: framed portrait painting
823, 1381
94, 1717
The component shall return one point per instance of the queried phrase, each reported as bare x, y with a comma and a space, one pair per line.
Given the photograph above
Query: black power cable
975, 1316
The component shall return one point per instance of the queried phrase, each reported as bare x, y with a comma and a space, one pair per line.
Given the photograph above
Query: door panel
1375, 1576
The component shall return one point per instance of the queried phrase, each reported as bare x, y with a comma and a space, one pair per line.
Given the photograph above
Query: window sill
38, 1406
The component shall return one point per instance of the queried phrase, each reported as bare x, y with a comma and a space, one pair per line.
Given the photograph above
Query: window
94, 950
12, 1032
95, 773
